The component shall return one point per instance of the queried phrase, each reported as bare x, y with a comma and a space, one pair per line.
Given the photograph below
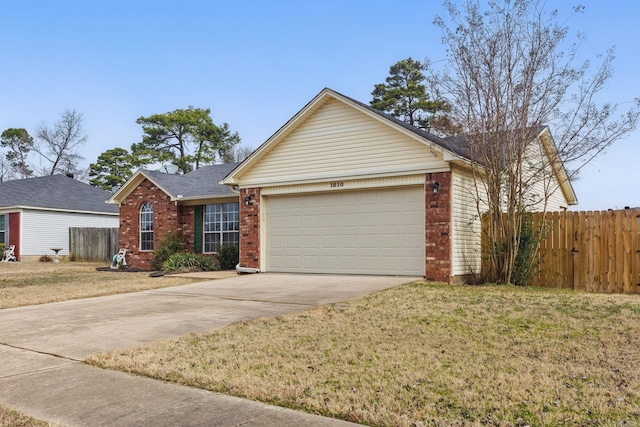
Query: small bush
229, 256
3, 248
190, 262
524, 268
169, 245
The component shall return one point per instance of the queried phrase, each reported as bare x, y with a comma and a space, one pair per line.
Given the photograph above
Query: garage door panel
277, 262
330, 242
311, 262
292, 242
330, 219
365, 232
329, 263
292, 221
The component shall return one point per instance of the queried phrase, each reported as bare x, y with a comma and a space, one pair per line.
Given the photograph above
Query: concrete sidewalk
42, 348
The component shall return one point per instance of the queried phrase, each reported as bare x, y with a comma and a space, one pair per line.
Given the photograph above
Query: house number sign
336, 184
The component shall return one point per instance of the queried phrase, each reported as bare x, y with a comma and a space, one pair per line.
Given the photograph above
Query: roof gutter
38, 208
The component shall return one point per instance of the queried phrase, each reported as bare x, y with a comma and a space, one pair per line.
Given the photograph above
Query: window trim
221, 232
146, 209
4, 231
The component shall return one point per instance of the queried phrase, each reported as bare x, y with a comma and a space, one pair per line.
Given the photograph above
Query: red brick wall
186, 226
438, 227
250, 228
165, 219
14, 232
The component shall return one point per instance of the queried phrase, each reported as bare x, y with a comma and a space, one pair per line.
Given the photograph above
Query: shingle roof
202, 182
55, 192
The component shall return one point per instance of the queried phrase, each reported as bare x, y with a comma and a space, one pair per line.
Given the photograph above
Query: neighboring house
36, 213
194, 205
344, 188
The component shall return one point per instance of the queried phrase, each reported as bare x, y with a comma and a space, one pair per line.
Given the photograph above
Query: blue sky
255, 64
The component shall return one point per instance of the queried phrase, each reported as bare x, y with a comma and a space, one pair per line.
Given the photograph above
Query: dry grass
425, 354
28, 283
11, 418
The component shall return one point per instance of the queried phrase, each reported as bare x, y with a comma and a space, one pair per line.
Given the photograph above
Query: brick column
250, 227
14, 232
438, 227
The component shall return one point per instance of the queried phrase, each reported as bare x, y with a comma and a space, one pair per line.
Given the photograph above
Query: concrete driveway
45, 344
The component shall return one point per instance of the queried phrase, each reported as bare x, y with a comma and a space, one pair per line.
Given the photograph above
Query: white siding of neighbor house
339, 141
467, 229
43, 230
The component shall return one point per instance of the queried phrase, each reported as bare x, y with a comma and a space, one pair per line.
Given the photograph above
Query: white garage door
363, 232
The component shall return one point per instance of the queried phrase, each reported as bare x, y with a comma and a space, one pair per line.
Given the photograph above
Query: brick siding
14, 232
166, 218
438, 227
250, 228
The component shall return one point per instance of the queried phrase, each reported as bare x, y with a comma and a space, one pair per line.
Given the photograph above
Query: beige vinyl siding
43, 230
346, 185
466, 246
339, 141
545, 186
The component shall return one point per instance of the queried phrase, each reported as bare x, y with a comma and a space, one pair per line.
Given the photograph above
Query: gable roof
198, 184
449, 150
55, 192
454, 149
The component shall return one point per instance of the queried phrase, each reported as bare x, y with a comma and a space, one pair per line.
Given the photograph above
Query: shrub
190, 262
3, 248
525, 265
169, 245
228, 256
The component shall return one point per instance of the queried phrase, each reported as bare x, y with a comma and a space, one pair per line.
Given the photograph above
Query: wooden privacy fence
589, 251
92, 244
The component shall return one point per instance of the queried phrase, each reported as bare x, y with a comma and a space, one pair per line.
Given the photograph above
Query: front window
146, 227
3, 229
221, 226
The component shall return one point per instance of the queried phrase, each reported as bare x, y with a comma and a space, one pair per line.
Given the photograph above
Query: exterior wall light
436, 187
247, 200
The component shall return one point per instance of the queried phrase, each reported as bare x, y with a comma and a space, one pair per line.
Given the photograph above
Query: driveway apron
42, 348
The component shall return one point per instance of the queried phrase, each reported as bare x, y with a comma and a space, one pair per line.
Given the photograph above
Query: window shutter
197, 232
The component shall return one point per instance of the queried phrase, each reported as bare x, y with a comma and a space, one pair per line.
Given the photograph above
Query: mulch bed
123, 270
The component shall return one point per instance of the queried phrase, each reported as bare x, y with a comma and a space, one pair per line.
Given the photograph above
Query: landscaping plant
170, 244
184, 262
228, 256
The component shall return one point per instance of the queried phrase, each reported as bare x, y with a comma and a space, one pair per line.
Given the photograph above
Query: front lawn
28, 283
425, 354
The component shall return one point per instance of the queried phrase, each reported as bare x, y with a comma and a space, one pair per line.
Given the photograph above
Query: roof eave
41, 208
558, 168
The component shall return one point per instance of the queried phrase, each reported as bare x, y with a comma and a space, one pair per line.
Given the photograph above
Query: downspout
246, 270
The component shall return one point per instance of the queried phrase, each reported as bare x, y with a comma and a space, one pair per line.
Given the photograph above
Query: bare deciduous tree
238, 154
58, 145
510, 72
